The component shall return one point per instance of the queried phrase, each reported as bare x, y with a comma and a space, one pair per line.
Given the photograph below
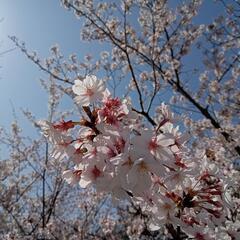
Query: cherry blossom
89, 90
152, 167
138, 151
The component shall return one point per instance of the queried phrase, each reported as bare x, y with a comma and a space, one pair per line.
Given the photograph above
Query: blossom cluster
151, 165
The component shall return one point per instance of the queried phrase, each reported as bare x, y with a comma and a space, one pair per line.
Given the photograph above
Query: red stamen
96, 172
64, 126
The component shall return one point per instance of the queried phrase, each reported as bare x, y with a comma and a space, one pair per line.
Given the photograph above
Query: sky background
41, 24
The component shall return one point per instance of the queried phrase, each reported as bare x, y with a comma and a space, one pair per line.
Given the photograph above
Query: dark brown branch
43, 187
146, 115
53, 201
228, 69
175, 233
202, 109
22, 230
130, 64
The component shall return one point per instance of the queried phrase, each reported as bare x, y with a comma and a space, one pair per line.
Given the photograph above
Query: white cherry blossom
152, 167
89, 90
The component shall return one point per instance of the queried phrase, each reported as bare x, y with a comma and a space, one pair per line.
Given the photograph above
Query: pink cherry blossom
152, 167
89, 90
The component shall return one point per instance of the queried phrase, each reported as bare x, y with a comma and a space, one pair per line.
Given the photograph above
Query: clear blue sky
41, 24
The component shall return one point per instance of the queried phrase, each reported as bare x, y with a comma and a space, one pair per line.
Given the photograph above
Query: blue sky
41, 24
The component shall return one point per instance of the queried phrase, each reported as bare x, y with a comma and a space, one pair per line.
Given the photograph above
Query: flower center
152, 145
89, 92
96, 172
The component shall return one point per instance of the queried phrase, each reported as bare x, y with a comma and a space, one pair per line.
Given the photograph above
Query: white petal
153, 227
84, 183
82, 100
